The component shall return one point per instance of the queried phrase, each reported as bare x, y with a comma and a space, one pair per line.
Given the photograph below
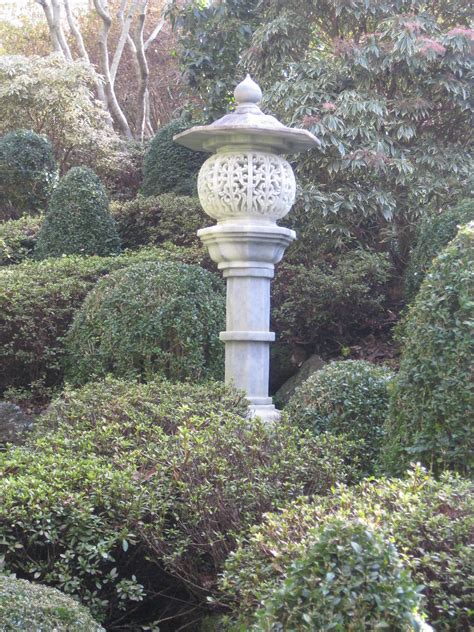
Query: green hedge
18, 238
347, 398
154, 220
35, 608
168, 166
326, 305
432, 398
433, 234
126, 492
153, 318
28, 173
77, 220
37, 304
348, 577
430, 522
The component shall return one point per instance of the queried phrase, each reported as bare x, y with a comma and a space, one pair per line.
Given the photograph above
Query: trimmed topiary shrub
28, 173
328, 304
27, 606
430, 522
347, 398
348, 577
169, 166
154, 220
434, 232
18, 238
158, 318
432, 398
37, 304
78, 219
131, 496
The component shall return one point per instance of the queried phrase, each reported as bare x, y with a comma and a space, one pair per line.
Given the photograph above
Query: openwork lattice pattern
253, 183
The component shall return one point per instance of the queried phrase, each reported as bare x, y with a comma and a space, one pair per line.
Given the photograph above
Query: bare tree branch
126, 23
143, 94
51, 26
56, 9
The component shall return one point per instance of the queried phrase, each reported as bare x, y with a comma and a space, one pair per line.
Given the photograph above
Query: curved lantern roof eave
247, 126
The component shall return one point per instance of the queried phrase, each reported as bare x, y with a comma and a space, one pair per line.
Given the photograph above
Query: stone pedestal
247, 252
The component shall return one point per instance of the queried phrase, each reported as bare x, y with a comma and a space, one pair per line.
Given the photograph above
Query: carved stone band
246, 184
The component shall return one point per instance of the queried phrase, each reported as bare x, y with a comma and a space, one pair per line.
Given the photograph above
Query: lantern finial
247, 91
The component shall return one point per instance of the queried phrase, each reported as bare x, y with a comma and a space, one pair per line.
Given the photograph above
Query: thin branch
56, 8
126, 24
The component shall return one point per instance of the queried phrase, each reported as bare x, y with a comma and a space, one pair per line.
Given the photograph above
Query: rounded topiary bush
433, 234
348, 577
169, 166
78, 219
36, 608
150, 319
431, 402
28, 172
349, 398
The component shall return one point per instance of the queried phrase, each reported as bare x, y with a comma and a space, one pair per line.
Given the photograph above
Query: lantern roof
247, 126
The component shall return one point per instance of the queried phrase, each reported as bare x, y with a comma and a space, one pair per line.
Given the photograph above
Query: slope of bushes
18, 238
430, 522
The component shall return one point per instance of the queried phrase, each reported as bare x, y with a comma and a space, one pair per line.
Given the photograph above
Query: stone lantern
246, 186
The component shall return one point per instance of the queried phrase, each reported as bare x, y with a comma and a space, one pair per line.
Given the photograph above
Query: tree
128, 19
52, 97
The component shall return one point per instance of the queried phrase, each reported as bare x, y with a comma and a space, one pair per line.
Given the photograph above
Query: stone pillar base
268, 414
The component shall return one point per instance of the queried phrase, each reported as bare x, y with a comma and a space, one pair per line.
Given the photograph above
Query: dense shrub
37, 304
154, 220
434, 232
78, 219
155, 318
18, 238
26, 606
430, 522
120, 475
348, 577
327, 304
432, 399
28, 172
346, 398
169, 166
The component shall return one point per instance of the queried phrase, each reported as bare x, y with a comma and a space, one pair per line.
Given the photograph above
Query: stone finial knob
247, 91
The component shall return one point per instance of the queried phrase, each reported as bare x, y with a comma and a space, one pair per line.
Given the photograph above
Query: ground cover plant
130, 490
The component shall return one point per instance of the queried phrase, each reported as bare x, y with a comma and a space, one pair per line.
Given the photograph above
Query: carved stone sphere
246, 184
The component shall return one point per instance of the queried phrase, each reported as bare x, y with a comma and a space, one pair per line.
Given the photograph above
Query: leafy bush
345, 398
28, 172
169, 166
434, 232
327, 304
78, 219
430, 522
18, 238
37, 304
347, 577
155, 318
153, 220
127, 491
431, 403
26, 606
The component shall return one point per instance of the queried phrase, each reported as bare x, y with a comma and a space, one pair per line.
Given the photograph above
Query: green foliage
347, 577
18, 239
78, 219
150, 319
28, 172
169, 166
154, 220
53, 96
432, 399
118, 476
348, 398
37, 305
211, 38
326, 304
26, 606
430, 522
434, 232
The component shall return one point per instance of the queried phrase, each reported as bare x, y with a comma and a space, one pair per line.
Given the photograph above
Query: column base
267, 413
